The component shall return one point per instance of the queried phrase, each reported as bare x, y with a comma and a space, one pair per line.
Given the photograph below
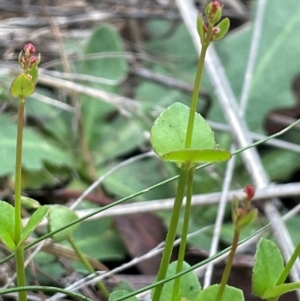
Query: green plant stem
289, 265
285, 273
171, 231
88, 266
184, 234
19, 253
49, 289
228, 266
195, 95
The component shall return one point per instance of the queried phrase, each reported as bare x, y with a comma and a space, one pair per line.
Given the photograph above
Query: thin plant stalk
196, 90
184, 234
88, 266
19, 252
166, 256
228, 266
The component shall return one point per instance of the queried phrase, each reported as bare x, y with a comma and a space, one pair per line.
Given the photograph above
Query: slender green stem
285, 273
289, 265
171, 231
18, 172
49, 289
228, 266
19, 253
195, 95
184, 234
88, 266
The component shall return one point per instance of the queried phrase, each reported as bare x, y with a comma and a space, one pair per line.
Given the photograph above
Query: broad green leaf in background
268, 267
121, 293
104, 41
119, 137
141, 176
189, 284
60, 216
7, 225
169, 131
276, 62
230, 294
49, 266
36, 149
98, 238
177, 50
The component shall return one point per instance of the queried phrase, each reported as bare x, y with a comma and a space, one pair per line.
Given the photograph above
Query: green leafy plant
12, 233
179, 135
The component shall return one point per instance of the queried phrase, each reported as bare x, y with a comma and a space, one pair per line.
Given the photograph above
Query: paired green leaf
7, 225
59, 216
169, 131
246, 219
34, 220
195, 156
22, 86
279, 290
230, 294
189, 284
267, 268
168, 136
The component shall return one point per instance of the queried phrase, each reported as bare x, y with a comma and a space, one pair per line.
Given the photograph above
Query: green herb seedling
60, 216
12, 233
181, 135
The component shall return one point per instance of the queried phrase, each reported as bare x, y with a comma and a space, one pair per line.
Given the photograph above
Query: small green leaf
34, 220
122, 293
33, 72
279, 290
59, 216
230, 294
246, 219
7, 225
189, 284
197, 155
200, 28
22, 86
224, 27
168, 133
267, 268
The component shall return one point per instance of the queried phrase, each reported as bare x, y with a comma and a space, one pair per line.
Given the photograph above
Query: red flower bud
215, 5
249, 192
30, 48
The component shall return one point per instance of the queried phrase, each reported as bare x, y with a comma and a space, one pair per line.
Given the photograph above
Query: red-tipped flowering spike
29, 49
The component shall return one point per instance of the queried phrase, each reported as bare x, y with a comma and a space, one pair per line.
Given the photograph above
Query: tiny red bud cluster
249, 192
27, 59
215, 6
29, 49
